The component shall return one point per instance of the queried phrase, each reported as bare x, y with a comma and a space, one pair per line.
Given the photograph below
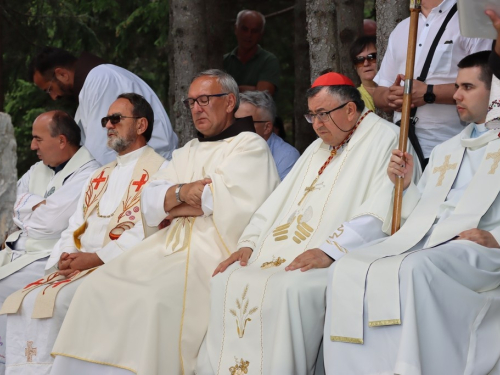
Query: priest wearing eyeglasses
267, 312
106, 223
146, 312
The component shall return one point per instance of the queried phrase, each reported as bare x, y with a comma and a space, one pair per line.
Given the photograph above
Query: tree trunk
188, 38
220, 13
303, 131
8, 175
389, 14
322, 36
2, 90
350, 26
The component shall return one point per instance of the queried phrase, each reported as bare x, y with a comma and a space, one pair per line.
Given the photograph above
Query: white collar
130, 157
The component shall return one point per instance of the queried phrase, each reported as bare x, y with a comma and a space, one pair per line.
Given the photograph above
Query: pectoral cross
308, 189
29, 352
496, 159
141, 182
444, 168
97, 181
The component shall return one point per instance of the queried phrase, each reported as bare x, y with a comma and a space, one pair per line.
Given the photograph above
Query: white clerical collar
130, 157
481, 140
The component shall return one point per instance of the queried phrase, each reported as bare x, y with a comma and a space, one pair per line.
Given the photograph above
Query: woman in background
364, 57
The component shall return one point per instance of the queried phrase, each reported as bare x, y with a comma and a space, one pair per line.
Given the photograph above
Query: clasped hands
396, 91
71, 264
313, 258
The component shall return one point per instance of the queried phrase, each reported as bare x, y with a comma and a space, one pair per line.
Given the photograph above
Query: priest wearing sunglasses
106, 223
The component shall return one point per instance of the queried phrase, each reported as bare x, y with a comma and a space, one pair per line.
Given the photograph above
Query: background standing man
437, 115
252, 67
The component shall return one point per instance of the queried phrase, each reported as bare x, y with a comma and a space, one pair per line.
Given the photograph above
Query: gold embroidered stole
129, 210
383, 286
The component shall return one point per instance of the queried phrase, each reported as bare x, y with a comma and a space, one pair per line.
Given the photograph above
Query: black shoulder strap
430, 55
423, 76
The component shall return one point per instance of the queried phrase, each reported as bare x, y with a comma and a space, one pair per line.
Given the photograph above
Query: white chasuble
115, 209
41, 228
437, 294
152, 314
263, 319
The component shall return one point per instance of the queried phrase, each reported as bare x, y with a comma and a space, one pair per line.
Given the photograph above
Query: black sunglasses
358, 60
113, 119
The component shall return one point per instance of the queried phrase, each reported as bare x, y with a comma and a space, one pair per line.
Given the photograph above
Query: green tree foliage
129, 33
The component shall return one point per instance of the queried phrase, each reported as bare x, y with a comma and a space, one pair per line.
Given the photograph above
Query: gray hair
244, 12
262, 100
343, 93
225, 80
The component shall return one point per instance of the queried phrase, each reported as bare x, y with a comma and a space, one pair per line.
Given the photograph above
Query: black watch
429, 96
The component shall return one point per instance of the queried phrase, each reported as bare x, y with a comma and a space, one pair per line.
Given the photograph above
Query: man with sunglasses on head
158, 294
106, 224
267, 312
438, 120
260, 106
94, 84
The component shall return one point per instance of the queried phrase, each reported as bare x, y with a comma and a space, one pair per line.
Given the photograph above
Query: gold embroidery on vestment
496, 159
443, 169
273, 263
242, 315
281, 238
281, 232
241, 368
378, 323
29, 352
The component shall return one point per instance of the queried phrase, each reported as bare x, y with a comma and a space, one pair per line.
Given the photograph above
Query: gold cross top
444, 168
496, 159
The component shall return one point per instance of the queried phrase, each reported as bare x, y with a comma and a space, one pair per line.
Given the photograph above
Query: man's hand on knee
241, 255
314, 258
481, 237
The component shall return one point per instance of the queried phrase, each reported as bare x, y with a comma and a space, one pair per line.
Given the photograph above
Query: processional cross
496, 159
30, 351
444, 168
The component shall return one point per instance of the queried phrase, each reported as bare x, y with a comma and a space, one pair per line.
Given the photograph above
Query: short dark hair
141, 109
48, 59
360, 44
63, 124
480, 60
345, 93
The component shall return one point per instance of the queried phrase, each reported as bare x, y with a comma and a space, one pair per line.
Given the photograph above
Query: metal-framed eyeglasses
202, 100
114, 119
360, 60
322, 116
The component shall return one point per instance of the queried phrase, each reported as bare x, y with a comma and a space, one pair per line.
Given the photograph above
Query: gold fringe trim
350, 340
78, 233
378, 323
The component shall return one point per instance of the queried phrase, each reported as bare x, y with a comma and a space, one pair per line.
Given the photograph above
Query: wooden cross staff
405, 112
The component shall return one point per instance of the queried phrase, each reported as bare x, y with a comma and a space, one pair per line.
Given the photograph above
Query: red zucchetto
332, 79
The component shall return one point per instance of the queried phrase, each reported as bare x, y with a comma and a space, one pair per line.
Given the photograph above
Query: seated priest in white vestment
105, 223
147, 311
45, 201
431, 303
266, 318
